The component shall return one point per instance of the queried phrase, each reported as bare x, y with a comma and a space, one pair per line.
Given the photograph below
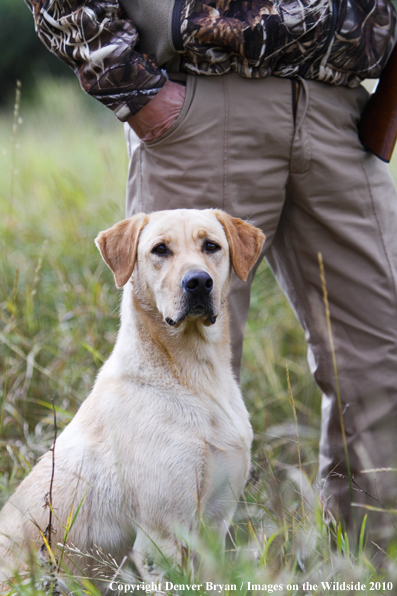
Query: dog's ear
118, 246
245, 243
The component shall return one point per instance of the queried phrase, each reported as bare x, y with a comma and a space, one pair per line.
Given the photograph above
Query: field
63, 168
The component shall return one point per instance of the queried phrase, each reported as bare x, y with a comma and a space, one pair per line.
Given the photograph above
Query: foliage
23, 56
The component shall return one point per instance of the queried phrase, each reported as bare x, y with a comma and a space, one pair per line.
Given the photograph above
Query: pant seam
127, 136
380, 228
301, 148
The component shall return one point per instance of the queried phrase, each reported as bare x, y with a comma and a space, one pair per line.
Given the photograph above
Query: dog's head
180, 260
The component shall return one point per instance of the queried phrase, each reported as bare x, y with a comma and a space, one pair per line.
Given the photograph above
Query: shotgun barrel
378, 125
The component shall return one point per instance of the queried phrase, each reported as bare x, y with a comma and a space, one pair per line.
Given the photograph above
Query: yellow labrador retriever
164, 433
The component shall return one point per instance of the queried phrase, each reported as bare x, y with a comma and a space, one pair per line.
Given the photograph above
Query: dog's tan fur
165, 427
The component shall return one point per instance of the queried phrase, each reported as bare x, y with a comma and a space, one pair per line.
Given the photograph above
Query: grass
63, 171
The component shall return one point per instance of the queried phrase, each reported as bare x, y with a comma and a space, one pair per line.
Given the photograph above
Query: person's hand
156, 117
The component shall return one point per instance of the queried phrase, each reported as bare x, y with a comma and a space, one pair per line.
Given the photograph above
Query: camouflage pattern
97, 41
337, 41
287, 38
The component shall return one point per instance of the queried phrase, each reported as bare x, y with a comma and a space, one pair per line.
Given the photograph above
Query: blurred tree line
23, 56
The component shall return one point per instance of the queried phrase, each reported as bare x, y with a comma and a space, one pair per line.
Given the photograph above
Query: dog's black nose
199, 283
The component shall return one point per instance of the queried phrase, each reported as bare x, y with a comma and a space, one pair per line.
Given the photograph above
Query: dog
164, 437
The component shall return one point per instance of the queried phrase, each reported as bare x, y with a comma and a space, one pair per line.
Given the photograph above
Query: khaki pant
309, 185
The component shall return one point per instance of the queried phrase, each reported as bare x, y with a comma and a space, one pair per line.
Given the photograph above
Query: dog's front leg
156, 552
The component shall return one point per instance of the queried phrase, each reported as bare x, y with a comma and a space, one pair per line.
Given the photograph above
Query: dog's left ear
245, 243
118, 246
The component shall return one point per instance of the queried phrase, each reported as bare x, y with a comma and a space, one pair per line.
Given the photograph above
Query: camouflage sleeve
96, 39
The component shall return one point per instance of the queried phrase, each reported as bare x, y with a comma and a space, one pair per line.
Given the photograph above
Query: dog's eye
211, 246
160, 249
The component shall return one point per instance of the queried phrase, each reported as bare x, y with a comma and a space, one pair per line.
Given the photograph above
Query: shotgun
378, 126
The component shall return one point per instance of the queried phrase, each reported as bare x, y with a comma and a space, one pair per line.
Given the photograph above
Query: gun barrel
378, 125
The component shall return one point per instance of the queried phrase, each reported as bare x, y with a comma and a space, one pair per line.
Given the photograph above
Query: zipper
334, 21
176, 26
295, 97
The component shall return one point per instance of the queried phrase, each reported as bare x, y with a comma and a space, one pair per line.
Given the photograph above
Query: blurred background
63, 169
22, 55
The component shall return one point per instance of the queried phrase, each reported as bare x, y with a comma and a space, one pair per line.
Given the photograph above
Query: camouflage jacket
336, 41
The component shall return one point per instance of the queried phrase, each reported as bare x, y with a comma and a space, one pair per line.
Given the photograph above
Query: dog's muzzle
197, 286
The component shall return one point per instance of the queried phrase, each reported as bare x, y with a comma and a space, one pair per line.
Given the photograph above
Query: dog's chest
227, 455
225, 471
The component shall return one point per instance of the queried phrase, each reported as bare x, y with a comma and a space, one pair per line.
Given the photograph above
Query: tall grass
62, 171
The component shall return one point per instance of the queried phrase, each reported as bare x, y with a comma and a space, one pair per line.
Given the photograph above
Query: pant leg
341, 201
229, 149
